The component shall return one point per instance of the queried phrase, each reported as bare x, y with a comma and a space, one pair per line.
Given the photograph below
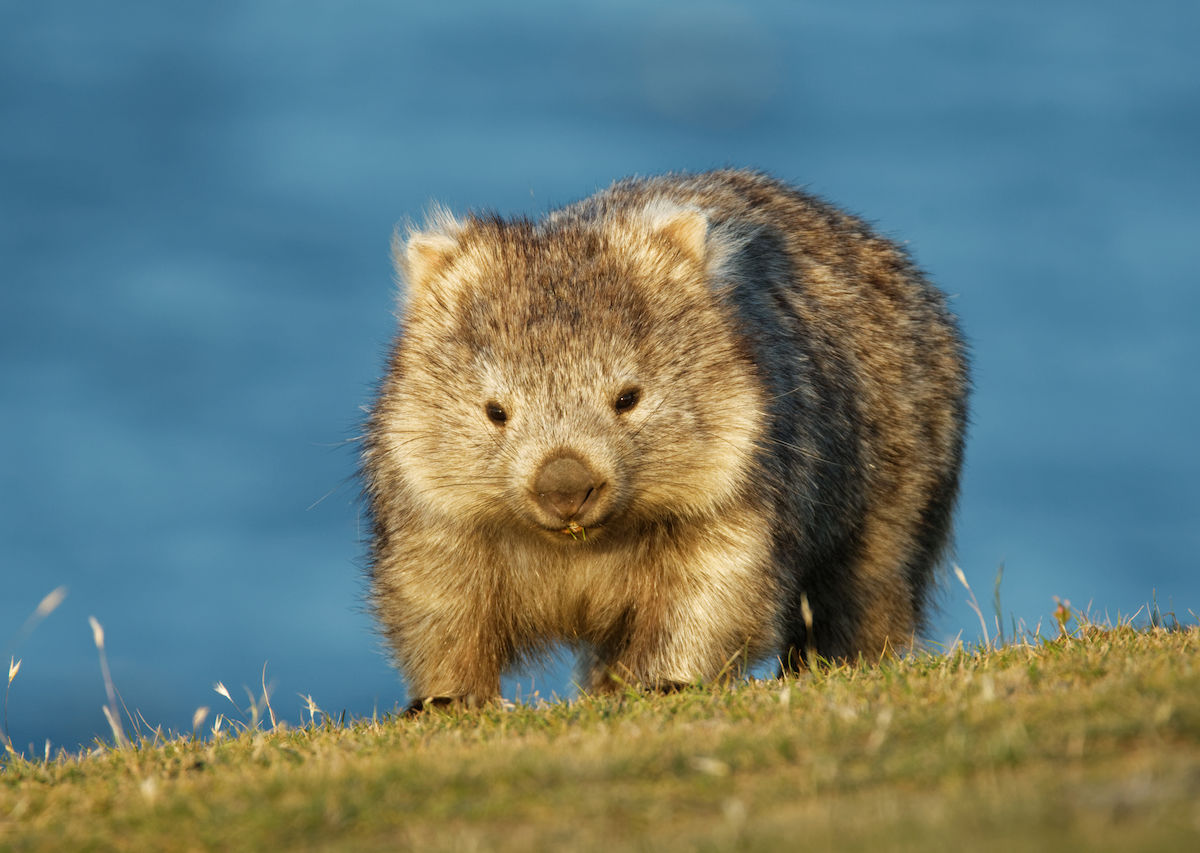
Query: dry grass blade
810, 646
46, 606
111, 712
266, 698
198, 718
974, 605
49, 603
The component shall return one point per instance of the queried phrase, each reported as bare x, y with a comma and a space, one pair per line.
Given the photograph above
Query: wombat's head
575, 379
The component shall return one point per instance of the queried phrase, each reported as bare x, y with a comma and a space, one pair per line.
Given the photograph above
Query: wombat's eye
496, 413
627, 400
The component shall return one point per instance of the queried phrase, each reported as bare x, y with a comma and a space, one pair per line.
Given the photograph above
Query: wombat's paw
443, 703
670, 686
614, 681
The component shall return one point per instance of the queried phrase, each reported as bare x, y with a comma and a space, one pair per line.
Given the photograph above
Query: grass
1087, 741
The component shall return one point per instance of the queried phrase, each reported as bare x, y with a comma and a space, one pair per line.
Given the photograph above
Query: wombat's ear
684, 226
420, 254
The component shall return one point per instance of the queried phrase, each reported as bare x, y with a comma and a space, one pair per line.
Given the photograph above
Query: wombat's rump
652, 425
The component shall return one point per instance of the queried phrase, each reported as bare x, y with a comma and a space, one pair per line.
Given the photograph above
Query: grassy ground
1086, 742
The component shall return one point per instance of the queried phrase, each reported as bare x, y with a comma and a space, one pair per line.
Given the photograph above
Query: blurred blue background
195, 293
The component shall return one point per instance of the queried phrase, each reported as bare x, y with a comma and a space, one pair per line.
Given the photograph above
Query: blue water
195, 296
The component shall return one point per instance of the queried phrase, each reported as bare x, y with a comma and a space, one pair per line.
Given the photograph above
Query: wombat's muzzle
567, 489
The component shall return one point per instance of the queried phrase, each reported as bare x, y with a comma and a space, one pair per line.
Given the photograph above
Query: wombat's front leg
446, 637
451, 663
705, 613
440, 603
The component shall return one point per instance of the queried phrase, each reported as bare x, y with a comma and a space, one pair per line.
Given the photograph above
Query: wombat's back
866, 380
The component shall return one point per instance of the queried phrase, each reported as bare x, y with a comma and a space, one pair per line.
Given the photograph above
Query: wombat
687, 424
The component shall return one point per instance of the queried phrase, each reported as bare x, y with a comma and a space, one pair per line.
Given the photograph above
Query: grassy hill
1090, 741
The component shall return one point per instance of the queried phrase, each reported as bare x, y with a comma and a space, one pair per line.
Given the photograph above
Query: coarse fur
690, 422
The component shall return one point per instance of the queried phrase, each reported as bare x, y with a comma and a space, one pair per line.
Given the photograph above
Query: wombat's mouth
577, 532
572, 531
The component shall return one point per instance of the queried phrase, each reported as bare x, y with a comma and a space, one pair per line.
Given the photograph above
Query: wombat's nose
564, 485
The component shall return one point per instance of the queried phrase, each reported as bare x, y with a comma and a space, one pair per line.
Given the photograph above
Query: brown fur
652, 426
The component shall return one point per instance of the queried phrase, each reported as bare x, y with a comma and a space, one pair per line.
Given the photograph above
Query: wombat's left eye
495, 413
627, 400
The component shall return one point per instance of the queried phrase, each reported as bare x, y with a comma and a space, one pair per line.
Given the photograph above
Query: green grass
1087, 742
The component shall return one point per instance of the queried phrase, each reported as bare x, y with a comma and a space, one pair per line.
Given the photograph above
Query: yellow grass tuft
1087, 740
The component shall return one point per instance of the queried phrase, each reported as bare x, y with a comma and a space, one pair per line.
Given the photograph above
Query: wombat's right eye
496, 413
627, 400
